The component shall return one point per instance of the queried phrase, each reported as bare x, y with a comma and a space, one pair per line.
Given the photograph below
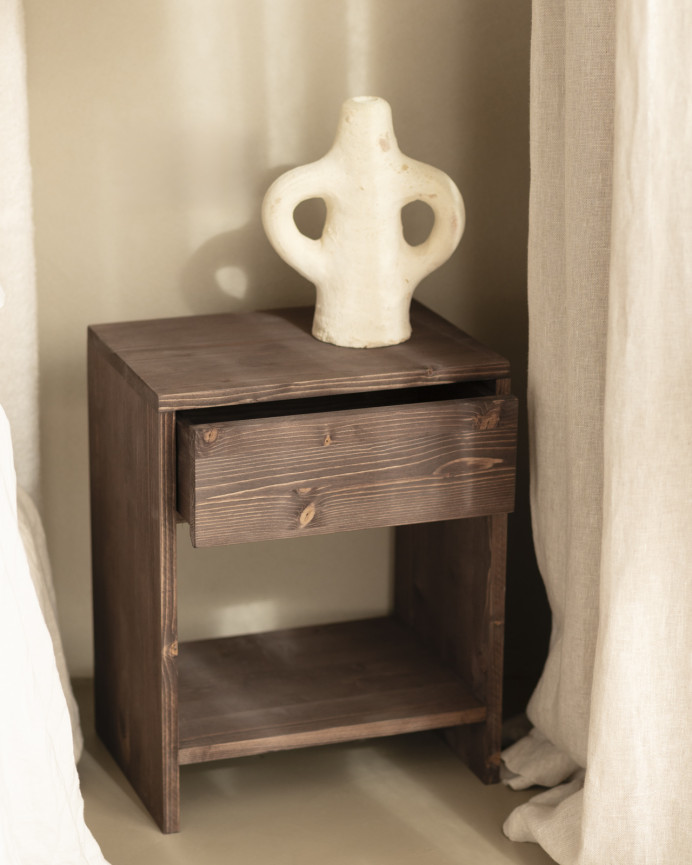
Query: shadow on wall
237, 271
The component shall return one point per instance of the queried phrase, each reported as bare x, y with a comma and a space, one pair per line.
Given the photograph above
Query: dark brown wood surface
312, 686
187, 363
450, 588
296, 466
337, 471
133, 553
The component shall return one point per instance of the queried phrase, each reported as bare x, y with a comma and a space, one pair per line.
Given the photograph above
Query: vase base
358, 341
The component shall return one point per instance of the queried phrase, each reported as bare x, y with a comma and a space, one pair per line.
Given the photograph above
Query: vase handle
303, 253
444, 199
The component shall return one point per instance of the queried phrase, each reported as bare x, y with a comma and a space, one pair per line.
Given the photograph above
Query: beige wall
156, 127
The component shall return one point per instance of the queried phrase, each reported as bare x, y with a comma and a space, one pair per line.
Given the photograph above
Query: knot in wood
307, 515
327, 440
490, 419
210, 435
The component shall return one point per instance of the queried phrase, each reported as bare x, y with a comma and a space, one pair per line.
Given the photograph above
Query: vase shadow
238, 270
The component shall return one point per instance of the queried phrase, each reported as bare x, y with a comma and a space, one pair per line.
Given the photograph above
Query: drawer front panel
286, 476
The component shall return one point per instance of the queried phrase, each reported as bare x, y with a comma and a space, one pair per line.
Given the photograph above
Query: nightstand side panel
132, 479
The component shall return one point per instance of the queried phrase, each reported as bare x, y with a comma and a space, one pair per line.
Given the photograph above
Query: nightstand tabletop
233, 358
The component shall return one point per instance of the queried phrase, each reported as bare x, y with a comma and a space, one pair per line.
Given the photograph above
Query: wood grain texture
133, 553
450, 588
311, 686
503, 386
212, 360
281, 435
337, 471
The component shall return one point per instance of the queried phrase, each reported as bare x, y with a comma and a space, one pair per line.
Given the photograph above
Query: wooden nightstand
248, 428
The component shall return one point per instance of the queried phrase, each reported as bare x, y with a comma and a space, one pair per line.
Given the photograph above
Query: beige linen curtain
610, 304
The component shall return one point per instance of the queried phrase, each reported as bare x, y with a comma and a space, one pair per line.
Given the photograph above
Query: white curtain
41, 808
610, 305
18, 328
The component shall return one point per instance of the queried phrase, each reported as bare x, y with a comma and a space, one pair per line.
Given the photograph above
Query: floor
405, 800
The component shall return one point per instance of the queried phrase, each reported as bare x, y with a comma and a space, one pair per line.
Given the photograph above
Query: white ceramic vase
363, 269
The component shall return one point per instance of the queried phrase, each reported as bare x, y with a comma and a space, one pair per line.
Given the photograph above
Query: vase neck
365, 129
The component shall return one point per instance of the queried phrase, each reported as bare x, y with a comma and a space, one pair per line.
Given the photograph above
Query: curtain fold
41, 808
610, 309
18, 327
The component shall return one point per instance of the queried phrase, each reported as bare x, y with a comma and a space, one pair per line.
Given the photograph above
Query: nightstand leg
133, 550
450, 587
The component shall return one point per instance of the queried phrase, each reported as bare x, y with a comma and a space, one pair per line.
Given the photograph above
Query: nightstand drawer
252, 478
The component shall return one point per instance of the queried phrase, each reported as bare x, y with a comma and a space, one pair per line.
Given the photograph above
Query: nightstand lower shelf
313, 686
